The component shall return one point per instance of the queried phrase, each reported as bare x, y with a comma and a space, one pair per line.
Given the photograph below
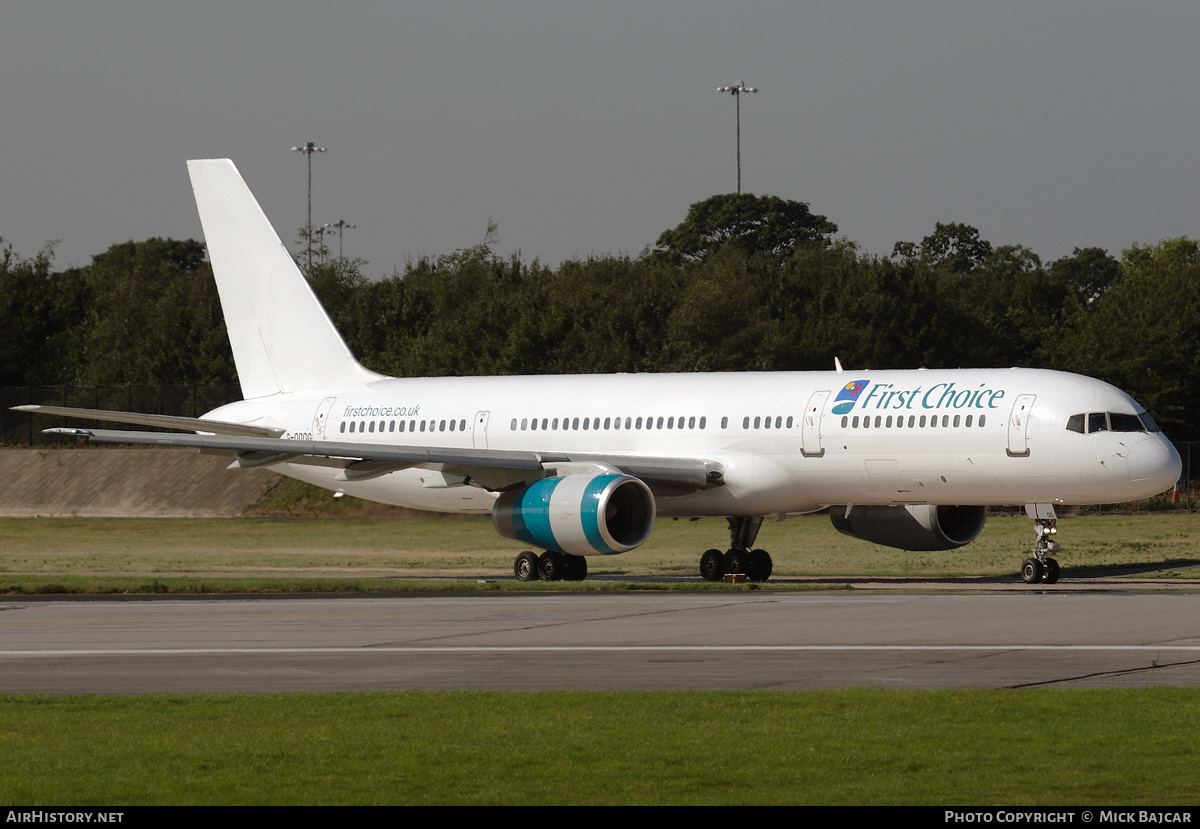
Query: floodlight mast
308, 149
341, 225
322, 231
736, 91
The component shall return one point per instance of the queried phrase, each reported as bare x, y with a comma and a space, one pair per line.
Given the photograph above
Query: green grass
198, 555
943, 748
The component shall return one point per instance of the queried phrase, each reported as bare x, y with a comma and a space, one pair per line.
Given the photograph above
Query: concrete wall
167, 483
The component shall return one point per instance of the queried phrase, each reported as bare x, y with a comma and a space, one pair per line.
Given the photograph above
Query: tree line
744, 283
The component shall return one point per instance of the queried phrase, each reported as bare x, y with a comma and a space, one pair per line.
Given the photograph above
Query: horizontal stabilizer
190, 424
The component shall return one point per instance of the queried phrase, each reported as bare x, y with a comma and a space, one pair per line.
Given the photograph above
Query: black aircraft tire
712, 565
551, 566
525, 568
575, 568
1052, 572
1032, 571
760, 565
737, 561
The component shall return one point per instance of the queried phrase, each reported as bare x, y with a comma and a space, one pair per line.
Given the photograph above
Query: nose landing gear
1040, 567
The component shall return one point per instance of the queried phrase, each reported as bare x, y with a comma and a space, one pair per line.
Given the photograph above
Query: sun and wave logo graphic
848, 396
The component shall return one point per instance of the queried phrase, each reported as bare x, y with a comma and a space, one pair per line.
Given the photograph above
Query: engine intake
579, 514
915, 527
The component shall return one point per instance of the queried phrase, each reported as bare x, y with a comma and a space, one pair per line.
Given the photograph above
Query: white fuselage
788, 442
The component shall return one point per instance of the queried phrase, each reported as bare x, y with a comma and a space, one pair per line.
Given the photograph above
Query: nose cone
1155, 463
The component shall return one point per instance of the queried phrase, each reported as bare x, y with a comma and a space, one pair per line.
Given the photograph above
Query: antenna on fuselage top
837, 364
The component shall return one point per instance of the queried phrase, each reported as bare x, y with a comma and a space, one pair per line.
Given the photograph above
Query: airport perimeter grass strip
862, 747
116, 586
347, 549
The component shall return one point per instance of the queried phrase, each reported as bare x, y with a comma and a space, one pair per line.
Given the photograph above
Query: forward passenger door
810, 431
1018, 426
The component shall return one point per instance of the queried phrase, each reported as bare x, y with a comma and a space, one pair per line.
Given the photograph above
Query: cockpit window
1125, 422
1114, 421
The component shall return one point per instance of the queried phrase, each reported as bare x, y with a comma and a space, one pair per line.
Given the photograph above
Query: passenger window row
766, 422
615, 423
914, 421
547, 424
369, 426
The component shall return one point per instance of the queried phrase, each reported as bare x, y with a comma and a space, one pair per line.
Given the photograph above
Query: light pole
323, 232
736, 91
341, 225
308, 149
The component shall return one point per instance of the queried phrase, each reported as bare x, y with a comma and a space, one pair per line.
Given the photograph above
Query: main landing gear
549, 566
739, 558
1040, 567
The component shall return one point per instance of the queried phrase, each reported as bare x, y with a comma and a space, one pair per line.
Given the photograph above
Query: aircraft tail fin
283, 341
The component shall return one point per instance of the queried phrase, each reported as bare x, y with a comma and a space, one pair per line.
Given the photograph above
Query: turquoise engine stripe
589, 513
531, 515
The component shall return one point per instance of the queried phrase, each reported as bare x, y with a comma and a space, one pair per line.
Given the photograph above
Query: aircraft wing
217, 427
494, 469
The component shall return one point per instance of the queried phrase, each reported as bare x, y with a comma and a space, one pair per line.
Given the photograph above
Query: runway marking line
366, 649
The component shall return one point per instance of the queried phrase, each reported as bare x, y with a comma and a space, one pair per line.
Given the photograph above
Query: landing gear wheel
760, 565
1051, 574
575, 568
525, 568
712, 565
1040, 567
737, 561
551, 566
1032, 571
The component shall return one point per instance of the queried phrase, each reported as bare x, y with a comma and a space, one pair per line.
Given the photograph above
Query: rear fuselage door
322, 417
479, 437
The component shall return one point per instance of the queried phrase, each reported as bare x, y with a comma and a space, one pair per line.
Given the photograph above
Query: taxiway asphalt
739, 640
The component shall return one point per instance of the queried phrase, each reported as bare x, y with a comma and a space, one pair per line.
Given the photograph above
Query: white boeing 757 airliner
582, 465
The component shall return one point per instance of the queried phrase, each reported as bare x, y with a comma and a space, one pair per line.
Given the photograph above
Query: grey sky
590, 128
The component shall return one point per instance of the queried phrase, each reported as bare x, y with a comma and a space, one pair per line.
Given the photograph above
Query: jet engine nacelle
584, 515
916, 527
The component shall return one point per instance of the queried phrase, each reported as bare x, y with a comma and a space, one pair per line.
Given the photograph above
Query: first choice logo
886, 397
